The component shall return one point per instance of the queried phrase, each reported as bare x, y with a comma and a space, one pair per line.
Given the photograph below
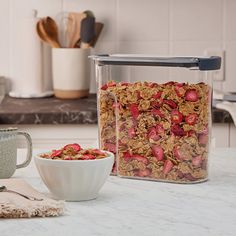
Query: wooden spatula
74, 32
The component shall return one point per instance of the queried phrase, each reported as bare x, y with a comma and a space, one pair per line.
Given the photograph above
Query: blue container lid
200, 63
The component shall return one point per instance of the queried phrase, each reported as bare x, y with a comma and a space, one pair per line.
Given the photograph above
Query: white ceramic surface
76, 180
70, 68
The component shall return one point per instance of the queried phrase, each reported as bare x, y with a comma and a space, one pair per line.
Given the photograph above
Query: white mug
8, 151
71, 72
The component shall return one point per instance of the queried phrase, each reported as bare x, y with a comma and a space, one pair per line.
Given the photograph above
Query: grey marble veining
48, 111
57, 111
134, 207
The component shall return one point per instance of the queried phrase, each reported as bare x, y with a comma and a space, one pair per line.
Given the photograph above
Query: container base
71, 94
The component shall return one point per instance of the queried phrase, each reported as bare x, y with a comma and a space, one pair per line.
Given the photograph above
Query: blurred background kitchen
160, 27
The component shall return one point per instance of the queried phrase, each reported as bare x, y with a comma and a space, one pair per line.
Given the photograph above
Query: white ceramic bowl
74, 180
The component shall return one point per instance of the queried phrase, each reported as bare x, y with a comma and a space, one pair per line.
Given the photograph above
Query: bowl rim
111, 156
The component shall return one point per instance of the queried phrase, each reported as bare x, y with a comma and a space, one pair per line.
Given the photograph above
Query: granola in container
157, 131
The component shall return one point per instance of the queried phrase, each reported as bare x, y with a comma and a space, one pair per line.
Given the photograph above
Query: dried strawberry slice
124, 84
177, 130
152, 134
75, 146
191, 118
131, 132
170, 83
179, 89
160, 129
191, 133
134, 110
116, 105
191, 95
104, 87
56, 153
176, 117
111, 147
156, 104
170, 103
197, 161
68, 158
157, 112
188, 176
203, 138
158, 152
178, 154
88, 157
157, 95
143, 173
168, 165
140, 158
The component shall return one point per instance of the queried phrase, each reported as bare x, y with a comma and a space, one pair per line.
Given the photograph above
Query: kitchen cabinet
56, 136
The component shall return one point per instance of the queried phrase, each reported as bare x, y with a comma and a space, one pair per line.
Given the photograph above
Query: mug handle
29, 150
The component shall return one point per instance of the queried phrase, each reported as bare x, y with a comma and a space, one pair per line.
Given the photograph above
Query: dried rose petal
197, 161
176, 117
56, 153
177, 130
191, 118
158, 152
170, 103
134, 110
168, 165
191, 95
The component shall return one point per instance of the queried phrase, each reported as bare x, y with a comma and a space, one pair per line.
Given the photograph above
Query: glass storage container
155, 115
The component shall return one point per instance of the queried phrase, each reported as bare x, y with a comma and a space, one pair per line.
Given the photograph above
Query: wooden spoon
74, 33
51, 30
43, 36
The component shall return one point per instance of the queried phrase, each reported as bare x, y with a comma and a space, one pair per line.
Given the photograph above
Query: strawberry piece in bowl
191, 119
176, 117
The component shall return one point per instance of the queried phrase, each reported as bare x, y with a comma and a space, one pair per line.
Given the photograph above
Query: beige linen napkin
13, 205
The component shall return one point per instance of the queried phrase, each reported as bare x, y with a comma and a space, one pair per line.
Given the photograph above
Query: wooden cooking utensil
43, 35
74, 32
98, 29
51, 30
87, 31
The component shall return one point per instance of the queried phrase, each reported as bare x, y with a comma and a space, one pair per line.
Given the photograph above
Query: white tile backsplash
159, 27
140, 20
196, 20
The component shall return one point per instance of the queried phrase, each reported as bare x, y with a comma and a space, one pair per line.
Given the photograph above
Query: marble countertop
57, 111
135, 207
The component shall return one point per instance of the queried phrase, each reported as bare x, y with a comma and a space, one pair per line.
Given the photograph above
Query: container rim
199, 63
